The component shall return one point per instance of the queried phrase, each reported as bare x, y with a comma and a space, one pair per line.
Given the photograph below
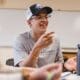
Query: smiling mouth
43, 25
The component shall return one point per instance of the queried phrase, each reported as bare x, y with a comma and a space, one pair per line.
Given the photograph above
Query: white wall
67, 27
12, 22
65, 24
5, 53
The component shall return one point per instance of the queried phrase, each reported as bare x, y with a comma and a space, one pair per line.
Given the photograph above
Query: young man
37, 47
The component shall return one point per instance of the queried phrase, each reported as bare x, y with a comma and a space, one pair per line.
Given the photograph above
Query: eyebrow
40, 14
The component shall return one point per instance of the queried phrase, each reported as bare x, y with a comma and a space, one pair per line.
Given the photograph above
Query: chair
10, 62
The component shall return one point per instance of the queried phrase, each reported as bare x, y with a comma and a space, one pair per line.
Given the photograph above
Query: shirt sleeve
19, 51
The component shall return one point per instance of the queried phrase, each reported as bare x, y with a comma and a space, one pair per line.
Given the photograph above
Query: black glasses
40, 17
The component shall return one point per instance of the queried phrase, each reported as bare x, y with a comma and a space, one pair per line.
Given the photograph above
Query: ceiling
73, 5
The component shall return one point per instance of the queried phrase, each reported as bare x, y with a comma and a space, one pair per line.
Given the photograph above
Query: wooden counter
69, 52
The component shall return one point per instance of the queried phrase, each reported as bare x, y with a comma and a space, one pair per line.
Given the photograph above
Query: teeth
42, 24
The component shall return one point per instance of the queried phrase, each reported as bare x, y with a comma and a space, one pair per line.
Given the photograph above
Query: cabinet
69, 52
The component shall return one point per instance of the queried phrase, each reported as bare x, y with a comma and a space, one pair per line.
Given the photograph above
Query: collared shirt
24, 44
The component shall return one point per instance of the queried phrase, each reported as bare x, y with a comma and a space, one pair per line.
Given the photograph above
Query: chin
43, 31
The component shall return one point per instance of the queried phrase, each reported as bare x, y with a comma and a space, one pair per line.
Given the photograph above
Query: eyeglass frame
38, 17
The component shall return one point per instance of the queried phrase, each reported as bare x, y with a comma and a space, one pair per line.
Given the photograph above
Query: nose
44, 18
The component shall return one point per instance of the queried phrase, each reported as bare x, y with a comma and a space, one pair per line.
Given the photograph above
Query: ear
29, 22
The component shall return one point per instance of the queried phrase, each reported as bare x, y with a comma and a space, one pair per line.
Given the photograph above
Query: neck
35, 35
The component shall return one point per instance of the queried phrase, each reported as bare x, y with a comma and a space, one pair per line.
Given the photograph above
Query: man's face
39, 23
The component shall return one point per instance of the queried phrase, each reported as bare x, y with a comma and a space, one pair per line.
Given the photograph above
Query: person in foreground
48, 72
37, 47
